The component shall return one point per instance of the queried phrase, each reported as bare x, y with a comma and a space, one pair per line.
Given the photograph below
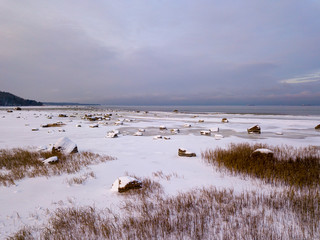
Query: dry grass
199, 214
299, 167
81, 179
17, 163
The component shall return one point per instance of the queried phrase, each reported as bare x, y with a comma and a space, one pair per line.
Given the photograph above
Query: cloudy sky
161, 51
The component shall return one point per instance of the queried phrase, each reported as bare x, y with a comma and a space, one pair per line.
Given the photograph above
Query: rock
224, 120
123, 184
175, 131
218, 136
62, 115
57, 124
262, 152
254, 129
61, 130
35, 129
279, 133
138, 134
201, 121
205, 132
215, 129
157, 137
163, 127
112, 134
142, 130
94, 125
317, 127
183, 153
78, 125
166, 138
65, 145
187, 125
17, 108
51, 160
9, 111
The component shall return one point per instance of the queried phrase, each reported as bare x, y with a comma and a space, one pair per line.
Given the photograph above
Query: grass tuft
17, 163
299, 167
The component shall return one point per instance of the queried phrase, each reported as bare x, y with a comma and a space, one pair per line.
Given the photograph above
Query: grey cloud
159, 51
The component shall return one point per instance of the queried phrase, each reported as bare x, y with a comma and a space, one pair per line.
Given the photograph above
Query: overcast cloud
161, 51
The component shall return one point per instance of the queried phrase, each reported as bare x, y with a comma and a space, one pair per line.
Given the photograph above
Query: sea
258, 110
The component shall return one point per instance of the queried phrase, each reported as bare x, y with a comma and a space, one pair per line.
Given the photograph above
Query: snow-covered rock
184, 153
262, 151
138, 134
112, 134
254, 129
224, 120
187, 125
163, 127
205, 132
214, 129
175, 131
123, 184
317, 127
51, 160
65, 145
218, 136
142, 130
157, 137
94, 125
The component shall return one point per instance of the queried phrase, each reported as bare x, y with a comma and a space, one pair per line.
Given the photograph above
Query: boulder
123, 184
317, 127
157, 137
57, 124
163, 127
218, 136
65, 145
254, 129
51, 160
262, 152
205, 132
214, 129
224, 120
183, 153
112, 134
175, 131
138, 134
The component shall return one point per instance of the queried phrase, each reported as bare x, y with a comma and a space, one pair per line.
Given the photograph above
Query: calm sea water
273, 110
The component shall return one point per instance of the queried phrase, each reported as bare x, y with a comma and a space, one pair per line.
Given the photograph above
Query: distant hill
8, 99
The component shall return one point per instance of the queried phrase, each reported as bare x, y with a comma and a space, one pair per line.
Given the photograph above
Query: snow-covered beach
29, 200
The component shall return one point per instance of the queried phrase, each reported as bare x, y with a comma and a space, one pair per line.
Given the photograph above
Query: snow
263, 150
27, 201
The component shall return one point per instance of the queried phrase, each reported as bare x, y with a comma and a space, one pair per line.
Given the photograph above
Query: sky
145, 52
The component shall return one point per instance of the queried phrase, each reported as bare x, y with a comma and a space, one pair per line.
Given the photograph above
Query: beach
155, 150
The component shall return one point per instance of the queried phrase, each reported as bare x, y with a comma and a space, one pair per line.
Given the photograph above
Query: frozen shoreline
26, 202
